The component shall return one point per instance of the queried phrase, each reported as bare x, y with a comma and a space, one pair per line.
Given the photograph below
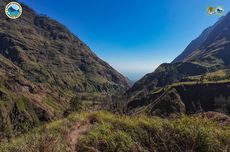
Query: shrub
141, 133
119, 133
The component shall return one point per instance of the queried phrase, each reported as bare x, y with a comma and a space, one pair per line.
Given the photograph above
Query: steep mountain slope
42, 66
201, 59
208, 52
211, 49
196, 44
38, 45
164, 75
186, 98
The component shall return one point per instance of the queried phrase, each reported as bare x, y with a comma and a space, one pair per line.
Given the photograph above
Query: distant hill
203, 57
42, 66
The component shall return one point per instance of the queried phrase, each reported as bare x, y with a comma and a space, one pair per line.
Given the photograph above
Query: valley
57, 95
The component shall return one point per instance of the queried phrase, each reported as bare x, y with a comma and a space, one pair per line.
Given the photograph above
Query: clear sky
134, 36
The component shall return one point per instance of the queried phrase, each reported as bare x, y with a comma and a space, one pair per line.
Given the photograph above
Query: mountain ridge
200, 46
43, 68
206, 60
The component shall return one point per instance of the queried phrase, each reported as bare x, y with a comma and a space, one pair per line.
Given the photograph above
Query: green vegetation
53, 105
220, 76
42, 69
110, 132
141, 133
48, 78
216, 76
21, 104
49, 137
157, 90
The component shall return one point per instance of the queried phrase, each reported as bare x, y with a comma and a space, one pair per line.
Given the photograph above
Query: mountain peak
219, 31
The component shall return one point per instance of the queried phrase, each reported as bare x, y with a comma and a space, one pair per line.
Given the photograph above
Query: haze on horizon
132, 36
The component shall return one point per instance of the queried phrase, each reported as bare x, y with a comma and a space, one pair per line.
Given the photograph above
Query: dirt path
75, 133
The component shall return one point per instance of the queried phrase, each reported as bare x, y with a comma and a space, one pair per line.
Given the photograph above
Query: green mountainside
213, 50
42, 67
196, 81
56, 95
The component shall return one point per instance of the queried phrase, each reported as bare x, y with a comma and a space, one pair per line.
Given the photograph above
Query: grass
142, 133
192, 83
50, 102
49, 137
220, 76
157, 90
21, 104
111, 133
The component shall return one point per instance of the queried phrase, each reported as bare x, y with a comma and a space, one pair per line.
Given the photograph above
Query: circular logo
13, 10
211, 10
219, 10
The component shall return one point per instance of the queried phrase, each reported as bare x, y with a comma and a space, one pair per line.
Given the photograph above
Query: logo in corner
211, 10
220, 10
13, 10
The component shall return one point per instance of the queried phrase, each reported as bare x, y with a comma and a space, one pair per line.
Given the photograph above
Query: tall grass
47, 138
142, 133
119, 133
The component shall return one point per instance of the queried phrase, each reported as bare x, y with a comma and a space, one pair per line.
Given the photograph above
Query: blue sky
131, 35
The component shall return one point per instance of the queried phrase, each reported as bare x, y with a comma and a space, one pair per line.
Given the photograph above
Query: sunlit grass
126, 133
111, 132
